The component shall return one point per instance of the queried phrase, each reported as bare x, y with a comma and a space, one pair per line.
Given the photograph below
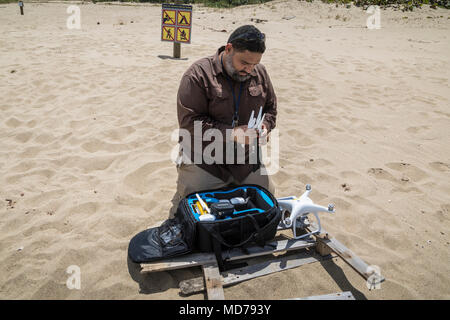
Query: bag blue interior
260, 200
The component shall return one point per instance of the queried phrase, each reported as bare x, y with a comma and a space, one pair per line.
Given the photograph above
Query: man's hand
244, 135
264, 135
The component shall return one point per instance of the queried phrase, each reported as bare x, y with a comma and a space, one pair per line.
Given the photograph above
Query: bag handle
259, 231
218, 240
221, 240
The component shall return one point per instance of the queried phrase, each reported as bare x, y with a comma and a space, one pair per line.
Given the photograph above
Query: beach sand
86, 134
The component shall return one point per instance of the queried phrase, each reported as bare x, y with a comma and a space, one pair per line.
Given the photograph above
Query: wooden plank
321, 247
347, 295
213, 281
253, 271
272, 247
347, 255
196, 259
186, 261
176, 50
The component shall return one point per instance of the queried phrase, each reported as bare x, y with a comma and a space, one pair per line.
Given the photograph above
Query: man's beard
232, 72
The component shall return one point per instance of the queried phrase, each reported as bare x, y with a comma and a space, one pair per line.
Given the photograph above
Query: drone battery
237, 200
222, 209
239, 203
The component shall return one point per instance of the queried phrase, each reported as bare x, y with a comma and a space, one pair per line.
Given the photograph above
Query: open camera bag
250, 223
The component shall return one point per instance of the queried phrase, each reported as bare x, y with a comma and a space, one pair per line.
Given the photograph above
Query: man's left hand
264, 135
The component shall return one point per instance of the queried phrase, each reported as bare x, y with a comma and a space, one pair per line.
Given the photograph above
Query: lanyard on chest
237, 100
235, 122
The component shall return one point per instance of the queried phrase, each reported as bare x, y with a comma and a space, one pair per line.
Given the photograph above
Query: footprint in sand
350, 175
317, 163
380, 173
119, 134
143, 179
321, 132
409, 171
417, 129
357, 184
43, 175
96, 145
441, 113
23, 136
31, 123
301, 139
442, 215
44, 138
439, 166
13, 122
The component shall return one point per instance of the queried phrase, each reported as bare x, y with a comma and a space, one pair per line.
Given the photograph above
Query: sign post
176, 50
21, 7
176, 25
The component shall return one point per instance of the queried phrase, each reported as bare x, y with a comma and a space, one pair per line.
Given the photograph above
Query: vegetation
209, 3
405, 5
401, 4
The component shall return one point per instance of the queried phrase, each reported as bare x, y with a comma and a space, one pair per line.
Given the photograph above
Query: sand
86, 137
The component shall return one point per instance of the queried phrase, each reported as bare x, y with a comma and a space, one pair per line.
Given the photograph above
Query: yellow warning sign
184, 18
176, 23
169, 17
168, 33
183, 34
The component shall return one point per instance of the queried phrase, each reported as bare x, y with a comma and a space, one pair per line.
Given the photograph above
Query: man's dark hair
249, 38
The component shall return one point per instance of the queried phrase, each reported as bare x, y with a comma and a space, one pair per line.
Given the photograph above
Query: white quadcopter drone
299, 209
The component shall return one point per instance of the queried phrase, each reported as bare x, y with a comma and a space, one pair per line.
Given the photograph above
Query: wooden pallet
297, 253
237, 275
347, 295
